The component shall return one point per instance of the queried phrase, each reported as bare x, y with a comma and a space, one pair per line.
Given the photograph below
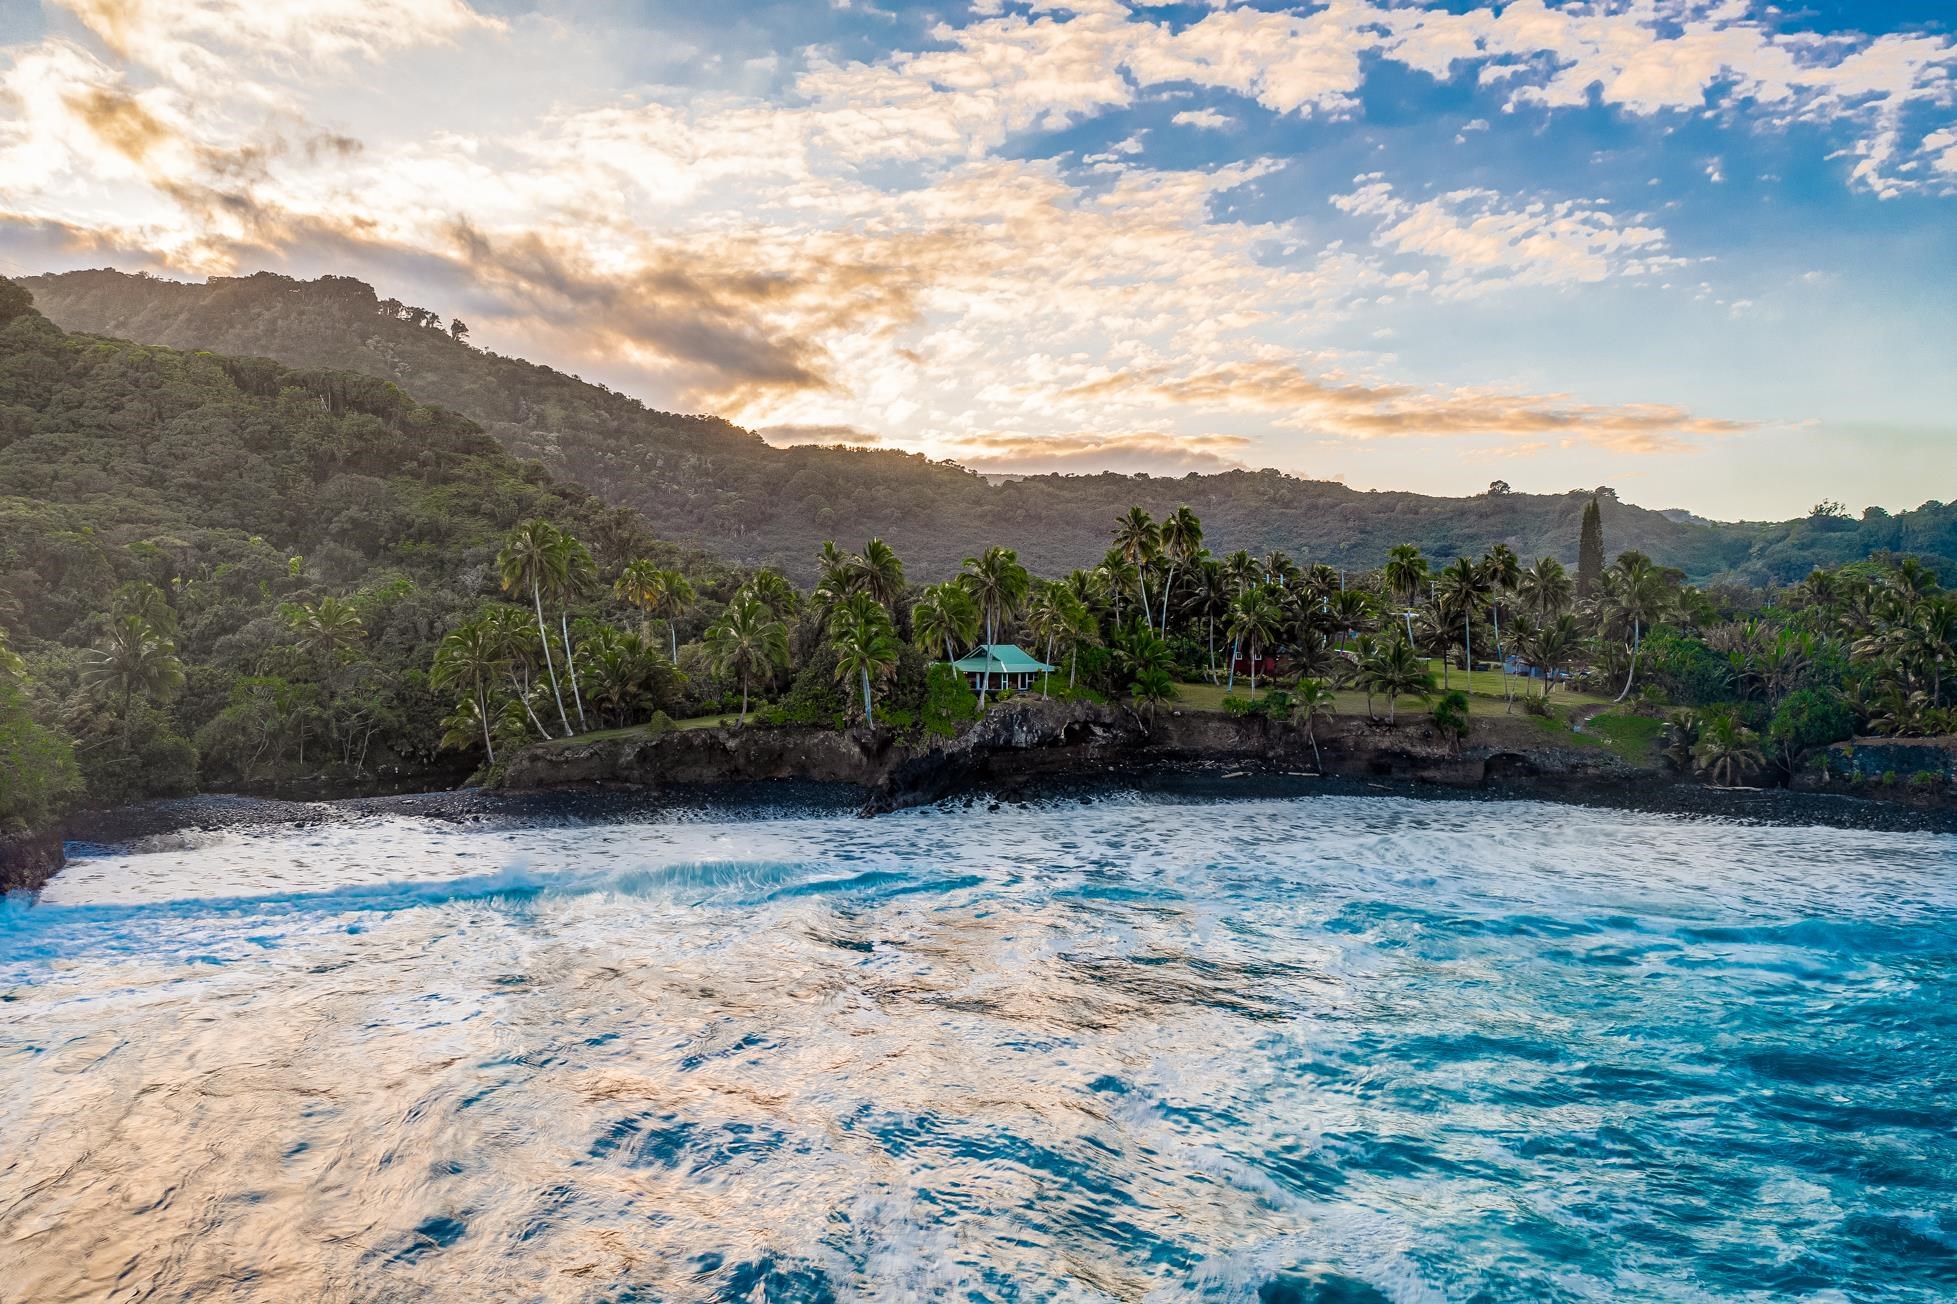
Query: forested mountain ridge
193, 547
706, 482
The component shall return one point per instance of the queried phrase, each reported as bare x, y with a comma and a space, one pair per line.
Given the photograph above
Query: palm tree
866, 645
507, 630
1082, 629
877, 572
574, 576
748, 641
1211, 600
1254, 623
1049, 617
469, 660
639, 585
1404, 573
998, 583
1151, 688
1463, 592
1546, 590
135, 660
1182, 541
1502, 571
623, 671
1242, 570
532, 560
1138, 540
1351, 611
1727, 750
675, 599
1394, 669
1550, 646
774, 592
330, 628
1639, 593
944, 616
1313, 700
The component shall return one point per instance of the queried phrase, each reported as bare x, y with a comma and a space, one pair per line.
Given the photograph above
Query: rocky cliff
30, 859
1025, 741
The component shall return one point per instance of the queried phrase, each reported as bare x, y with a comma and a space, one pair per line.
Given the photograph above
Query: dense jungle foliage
713, 485
221, 571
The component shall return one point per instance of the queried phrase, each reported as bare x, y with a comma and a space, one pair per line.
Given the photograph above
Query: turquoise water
1327, 1049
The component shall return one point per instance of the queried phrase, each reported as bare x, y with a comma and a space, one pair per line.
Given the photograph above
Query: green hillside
711, 484
190, 538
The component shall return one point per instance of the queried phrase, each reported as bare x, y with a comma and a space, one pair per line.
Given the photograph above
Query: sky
1701, 252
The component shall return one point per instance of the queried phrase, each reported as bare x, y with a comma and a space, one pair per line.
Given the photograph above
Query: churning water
1323, 1049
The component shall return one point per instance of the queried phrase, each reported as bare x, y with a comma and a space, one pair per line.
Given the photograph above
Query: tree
1313, 700
998, 584
1152, 687
1393, 669
1405, 571
1138, 540
470, 661
458, 330
1182, 541
1502, 570
1550, 646
748, 641
866, 646
1498, 488
658, 592
877, 572
1462, 593
574, 575
1253, 625
1451, 717
1545, 590
533, 560
1727, 750
330, 629
134, 661
944, 616
1590, 551
1636, 592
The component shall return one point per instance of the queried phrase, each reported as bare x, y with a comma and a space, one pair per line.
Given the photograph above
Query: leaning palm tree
1313, 700
944, 616
575, 575
1727, 750
1181, 536
133, 661
748, 641
1640, 595
1138, 539
508, 632
998, 584
469, 660
866, 646
533, 560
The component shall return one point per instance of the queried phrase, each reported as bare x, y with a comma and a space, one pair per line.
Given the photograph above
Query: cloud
1204, 120
1370, 411
1487, 240
1151, 452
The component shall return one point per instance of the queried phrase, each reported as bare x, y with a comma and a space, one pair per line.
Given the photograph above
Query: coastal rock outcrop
27, 860
1026, 740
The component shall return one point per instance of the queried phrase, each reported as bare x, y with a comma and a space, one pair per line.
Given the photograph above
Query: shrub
37, 769
659, 724
1923, 780
948, 700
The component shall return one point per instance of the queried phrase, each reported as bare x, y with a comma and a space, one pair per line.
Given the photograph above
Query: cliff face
1026, 740
29, 860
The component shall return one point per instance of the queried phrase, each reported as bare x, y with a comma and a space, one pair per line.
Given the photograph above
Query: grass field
1484, 689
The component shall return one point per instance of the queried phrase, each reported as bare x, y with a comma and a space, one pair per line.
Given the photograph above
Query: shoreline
124, 827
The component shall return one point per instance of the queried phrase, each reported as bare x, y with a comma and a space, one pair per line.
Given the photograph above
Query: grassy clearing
1632, 737
1485, 689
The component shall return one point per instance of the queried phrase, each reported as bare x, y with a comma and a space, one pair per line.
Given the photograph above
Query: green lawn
1484, 689
1633, 737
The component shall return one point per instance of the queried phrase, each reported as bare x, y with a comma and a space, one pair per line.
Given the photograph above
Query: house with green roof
1006, 664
